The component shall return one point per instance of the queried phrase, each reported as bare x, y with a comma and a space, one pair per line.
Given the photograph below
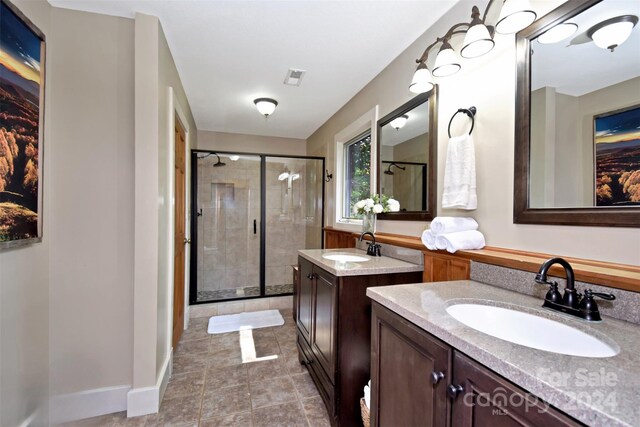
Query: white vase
369, 222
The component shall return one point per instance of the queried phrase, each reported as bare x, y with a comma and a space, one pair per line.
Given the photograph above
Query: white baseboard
88, 403
146, 400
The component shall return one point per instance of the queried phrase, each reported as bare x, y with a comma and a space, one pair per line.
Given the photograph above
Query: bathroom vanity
334, 321
430, 369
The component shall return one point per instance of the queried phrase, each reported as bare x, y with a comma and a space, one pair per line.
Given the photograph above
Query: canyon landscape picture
21, 55
617, 153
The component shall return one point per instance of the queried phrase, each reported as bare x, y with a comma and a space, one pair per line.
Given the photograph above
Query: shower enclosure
250, 215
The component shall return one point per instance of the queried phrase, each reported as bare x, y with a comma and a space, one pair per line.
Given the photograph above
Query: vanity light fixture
399, 122
422, 81
514, 16
266, 106
558, 33
478, 40
447, 62
613, 32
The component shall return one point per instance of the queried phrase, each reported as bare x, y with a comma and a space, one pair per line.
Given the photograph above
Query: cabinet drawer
324, 385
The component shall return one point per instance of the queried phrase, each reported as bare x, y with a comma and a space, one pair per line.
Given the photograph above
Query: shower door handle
255, 227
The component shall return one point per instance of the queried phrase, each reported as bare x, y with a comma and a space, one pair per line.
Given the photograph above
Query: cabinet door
305, 298
484, 399
403, 361
323, 339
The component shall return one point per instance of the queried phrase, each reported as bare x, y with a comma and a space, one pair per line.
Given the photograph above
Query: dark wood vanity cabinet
334, 335
411, 368
418, 380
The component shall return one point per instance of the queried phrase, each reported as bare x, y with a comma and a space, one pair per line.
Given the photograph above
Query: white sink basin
530, 330
345, 258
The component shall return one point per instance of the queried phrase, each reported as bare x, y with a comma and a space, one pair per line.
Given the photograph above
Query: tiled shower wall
228, 249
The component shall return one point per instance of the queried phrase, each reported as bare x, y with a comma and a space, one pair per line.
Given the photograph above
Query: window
355, 167
357, 172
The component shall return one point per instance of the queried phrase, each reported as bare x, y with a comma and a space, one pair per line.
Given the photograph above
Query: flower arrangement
378, 203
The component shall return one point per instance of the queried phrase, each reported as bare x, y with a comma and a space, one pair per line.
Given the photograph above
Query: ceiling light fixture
399, 122
558, 33
234, 157
478, 40
613, 32
266, 106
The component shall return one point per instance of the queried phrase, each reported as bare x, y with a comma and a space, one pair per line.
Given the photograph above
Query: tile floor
211, 386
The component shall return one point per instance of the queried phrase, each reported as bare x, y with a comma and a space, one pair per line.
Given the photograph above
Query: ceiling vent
294, 77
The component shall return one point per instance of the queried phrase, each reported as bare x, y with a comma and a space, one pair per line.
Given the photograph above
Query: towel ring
471, 112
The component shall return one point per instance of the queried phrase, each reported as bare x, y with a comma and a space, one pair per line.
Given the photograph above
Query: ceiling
574, 67
231, 52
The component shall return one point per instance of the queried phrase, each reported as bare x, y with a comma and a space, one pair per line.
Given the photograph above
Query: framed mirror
577, 139
407, 147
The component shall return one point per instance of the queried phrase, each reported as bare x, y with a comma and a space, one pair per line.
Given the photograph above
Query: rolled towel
470, 239
452, 224
367, 396
429, 239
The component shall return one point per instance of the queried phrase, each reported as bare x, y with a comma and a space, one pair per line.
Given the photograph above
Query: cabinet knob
454, 390
436, 377
310, 276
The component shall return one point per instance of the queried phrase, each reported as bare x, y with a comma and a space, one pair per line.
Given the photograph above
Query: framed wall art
22, 64
617, 154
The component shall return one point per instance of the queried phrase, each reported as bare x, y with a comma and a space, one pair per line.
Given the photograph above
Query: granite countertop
596, 391
375, 265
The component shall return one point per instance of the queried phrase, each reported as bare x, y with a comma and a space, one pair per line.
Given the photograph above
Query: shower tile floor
251, 291
215, 383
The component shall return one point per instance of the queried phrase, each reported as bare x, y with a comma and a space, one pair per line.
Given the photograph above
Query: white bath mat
241, 321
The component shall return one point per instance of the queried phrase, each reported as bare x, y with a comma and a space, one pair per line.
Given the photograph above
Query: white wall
24, 290
235, 142
155, 72
92, 201
489, 84
168, 77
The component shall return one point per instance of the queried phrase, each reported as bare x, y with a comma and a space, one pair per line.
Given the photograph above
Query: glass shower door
293, 216
228, 204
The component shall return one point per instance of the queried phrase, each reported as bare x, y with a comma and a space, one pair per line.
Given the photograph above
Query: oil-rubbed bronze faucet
570, 302
373, 249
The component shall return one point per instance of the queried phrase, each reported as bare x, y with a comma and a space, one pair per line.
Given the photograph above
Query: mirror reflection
404, 154
585, 110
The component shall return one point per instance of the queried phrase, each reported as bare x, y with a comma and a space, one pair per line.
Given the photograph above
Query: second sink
530, 330
345, 258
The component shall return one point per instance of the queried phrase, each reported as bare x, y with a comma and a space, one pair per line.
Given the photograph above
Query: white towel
460, 174
451, 224
470, 239
367, 395
429, 239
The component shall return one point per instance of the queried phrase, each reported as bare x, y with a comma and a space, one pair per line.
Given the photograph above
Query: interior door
179, 237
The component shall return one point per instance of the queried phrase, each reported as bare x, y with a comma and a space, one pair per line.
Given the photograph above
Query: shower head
390, 172
219, 163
